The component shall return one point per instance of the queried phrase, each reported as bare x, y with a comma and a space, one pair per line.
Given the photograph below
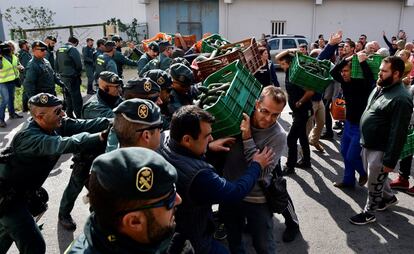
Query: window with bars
278, 27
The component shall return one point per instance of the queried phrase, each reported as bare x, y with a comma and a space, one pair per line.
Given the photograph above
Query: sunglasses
167, 202
43, 50
158, 126
267, 113
58, 111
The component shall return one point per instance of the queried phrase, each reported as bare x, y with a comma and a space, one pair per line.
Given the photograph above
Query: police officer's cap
52, 38
162, 78
163, 45
110, 77
181, 73
22, 42
100, 42
116, 38
143, 86
109, 45
3, 46
181, 60
45, 100
154, 46
135, 173
39, 44
140, 111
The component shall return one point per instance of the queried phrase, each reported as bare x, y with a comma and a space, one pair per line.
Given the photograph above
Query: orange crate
156, 38
188, 39
250, 50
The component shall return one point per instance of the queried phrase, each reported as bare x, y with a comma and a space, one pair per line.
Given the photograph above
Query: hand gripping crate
373, 61
240, 98
208, 48
408, 148
302, 77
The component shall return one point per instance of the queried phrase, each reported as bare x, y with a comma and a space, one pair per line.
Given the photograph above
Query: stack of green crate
207, 48
408, 149
373, 61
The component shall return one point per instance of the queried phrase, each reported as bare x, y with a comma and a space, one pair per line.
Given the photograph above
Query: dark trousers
89, 74
78, 179
17, 225
328, 117
298, 131
73, 96
405, 167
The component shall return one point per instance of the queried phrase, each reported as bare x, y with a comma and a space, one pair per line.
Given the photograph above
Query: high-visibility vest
9, 72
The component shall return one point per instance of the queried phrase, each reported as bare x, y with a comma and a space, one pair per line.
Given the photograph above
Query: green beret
135, 173
163, 45
142, 86
162, 78
22, 42
39, 44
181, 60
116, 38
154, 46
181, 73
140, 111
110, 77
52, 38
45, 100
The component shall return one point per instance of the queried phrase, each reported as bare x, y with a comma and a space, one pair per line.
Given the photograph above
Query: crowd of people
146, 153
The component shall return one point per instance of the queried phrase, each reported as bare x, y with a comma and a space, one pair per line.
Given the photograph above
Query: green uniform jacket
165, 62
24, 57
384, 123
88, 55
95, 241
145, 58
97, 107
40, 77
50, 57
121, 60
68, 61
36, 151
104, 63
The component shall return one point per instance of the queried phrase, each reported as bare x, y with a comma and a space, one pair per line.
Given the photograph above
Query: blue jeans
259, 224
351, 152
7, 99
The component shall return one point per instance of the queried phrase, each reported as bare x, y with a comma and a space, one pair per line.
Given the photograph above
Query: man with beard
384, 127
50, 42
152, 52
132, 191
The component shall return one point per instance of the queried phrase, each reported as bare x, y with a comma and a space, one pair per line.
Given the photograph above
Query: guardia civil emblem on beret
147, 86
181, 78
160, 80
143, 111
145, 179
43, 99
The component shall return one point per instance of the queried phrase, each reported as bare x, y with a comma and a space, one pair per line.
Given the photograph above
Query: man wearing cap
40, 76
132, 191
50, 42
87, 53
198, 183
143, 88
35, 150
164, 80
137, 123
69, 65
99, 105
119, 58
105, 61
151, 53
181, 93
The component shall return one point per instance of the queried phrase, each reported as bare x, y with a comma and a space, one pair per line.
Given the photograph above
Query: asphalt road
323, 210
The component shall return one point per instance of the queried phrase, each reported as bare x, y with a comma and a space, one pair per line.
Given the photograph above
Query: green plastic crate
373, 61
408, 149
298, 75
207, 48
240, 98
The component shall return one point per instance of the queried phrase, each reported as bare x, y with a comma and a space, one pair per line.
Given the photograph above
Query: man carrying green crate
182, 92
384, 127
299, 101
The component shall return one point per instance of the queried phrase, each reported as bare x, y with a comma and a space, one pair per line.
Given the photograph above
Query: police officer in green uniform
99, 105
40, 76
105, 62
143, 88
136, 113
166, 50
50, 42
24, 58
181, 93
164, 80
69, 65
87, 53
151, 53
119, 58
132, 192
35, 150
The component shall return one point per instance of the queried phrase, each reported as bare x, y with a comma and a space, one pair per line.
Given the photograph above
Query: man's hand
245, 127
131, 45
387, 169
221, 145
265, 157
104, 134
362, 56
335, 38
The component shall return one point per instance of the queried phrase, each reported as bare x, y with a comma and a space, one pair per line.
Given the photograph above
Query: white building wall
153, 17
